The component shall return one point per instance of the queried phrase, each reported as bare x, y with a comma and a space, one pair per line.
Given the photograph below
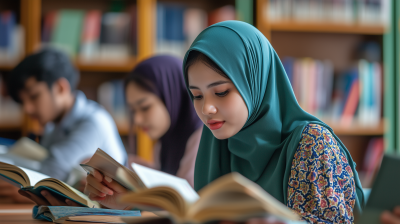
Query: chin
221, 134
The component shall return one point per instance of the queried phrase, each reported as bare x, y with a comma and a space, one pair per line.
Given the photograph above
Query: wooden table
22, 214
17, 214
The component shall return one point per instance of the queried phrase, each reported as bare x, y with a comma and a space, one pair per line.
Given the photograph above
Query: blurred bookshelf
124, 66
342, 42
98, 73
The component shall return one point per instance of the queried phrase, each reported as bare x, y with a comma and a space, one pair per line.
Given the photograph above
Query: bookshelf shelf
11, 127
123, 129
117, 66
326, 28
6, 67
358, 130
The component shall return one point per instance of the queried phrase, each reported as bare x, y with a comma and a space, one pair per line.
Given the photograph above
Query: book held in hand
140, 177
35, 182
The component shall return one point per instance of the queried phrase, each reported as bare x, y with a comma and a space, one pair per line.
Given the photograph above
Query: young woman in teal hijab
254, 126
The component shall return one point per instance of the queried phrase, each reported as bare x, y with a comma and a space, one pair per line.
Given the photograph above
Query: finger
95, 198
114, 185
52, 200
266, 220
99, 186
72, 203
396, 211
388, 218
38, 200
95, 191
97, 175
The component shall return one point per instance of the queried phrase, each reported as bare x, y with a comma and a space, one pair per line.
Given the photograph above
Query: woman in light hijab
253, 125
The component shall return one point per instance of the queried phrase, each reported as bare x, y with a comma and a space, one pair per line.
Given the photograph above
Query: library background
341, 57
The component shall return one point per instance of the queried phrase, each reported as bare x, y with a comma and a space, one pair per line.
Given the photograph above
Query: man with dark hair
74, 127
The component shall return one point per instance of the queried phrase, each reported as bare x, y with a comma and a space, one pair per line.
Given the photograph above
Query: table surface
22, 214
17, 214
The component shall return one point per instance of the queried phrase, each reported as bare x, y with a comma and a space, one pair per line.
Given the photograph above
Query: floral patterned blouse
321, 185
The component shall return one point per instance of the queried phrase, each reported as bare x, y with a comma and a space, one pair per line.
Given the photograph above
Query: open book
385, 194
35, 182
140, 177
231, 197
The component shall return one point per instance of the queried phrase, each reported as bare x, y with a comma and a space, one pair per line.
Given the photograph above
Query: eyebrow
140, 101
211, 85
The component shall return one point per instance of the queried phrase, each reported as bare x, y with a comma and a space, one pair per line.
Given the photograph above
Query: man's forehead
31, 83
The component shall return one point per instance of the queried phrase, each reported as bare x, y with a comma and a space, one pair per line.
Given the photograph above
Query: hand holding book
104, 190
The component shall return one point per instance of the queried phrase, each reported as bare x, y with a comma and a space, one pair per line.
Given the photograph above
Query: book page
34, 176
102, 162
154, 178
29, 149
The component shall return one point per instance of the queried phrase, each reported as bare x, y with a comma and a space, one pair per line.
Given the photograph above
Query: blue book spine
7, 24
174, 23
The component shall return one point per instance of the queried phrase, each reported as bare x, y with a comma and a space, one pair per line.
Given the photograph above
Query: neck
68, 104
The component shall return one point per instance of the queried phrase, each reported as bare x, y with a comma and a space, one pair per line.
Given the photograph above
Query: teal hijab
264, 148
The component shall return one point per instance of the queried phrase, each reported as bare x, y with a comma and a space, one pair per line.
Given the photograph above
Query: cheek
234, 109
198, 106
160, 119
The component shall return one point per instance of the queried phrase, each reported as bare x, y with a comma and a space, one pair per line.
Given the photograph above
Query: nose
208, 107
28, 107
138, 118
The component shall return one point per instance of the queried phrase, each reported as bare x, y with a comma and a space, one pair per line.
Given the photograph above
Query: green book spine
244, 10
67, 32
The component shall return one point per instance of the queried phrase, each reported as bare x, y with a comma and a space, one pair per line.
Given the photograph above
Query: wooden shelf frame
266, 27
124, 66
292, 26
357, 129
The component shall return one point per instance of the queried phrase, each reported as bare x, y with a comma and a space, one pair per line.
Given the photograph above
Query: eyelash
222, 94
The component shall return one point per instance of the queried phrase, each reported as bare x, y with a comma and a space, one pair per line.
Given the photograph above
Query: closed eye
221, 94
198, 97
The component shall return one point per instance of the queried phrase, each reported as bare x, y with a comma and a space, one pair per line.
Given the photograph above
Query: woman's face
148, 111
217, 101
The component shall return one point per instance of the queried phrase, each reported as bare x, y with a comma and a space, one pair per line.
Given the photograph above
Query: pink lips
214, 124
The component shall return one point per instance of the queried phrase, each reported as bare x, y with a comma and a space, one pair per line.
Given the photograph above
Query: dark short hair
47, 66
195, 56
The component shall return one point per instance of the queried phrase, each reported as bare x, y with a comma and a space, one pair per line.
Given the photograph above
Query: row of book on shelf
92, 35
178, 25
12, 37
354, 96
363, 12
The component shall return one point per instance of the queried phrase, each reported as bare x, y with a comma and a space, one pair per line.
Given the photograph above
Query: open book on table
231, 197
35, 182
